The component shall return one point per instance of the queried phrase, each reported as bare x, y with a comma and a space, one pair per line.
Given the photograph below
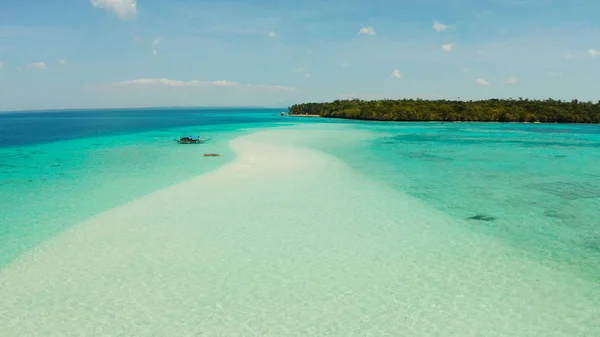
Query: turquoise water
302, 227
537, 187
59, 168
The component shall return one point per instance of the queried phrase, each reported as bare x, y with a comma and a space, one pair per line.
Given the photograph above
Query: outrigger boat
191, 140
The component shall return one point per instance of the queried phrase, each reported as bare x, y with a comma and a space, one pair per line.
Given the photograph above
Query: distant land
491, 110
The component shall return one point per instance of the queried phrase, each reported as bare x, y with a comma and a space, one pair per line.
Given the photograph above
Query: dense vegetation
493, 110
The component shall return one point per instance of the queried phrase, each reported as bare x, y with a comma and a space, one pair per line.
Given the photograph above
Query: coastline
234, 252
303, 115
437, 121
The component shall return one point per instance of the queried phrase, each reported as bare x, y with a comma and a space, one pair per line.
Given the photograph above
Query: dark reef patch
482, 217
425, 157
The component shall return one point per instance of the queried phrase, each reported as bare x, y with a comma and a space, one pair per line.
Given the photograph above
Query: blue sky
127, 53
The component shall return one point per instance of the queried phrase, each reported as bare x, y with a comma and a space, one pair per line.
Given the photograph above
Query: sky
69, 54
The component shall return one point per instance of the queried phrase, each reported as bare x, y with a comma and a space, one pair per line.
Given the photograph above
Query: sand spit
285, 241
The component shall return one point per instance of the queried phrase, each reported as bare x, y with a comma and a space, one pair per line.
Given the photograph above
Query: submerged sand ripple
285, 241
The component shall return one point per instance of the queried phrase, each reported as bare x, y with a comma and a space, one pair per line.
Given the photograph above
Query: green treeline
493, 110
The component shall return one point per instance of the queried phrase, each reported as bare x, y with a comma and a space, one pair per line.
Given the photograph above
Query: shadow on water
482, 217
425, 156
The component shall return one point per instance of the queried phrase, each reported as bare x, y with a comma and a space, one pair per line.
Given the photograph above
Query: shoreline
439, 121
303, 115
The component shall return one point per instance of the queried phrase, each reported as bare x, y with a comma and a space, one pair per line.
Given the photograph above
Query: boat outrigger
191, 140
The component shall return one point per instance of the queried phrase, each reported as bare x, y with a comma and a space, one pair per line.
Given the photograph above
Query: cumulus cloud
307, 75
511, 80
62, 62
346, 65
396, 74
154, 52
366, 31
570, 56
122, 8
195, 83
439, 27
38, 65
272, 34
482, 82
447, 47
593, 52
156, 41
464, 70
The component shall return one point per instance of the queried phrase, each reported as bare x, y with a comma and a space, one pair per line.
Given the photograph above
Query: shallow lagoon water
537, 187
321, 228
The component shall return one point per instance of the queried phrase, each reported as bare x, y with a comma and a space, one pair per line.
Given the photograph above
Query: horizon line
141, 108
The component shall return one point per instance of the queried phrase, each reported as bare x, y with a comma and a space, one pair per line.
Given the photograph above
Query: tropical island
491, 110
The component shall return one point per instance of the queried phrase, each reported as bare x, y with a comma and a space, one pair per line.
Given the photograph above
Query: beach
287, 240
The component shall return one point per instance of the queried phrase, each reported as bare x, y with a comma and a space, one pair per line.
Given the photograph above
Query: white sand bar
286, 241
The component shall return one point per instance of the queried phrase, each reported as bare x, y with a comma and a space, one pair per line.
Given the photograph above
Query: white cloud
482, 82
511, 80
346, 65
464, 70
156, 41
396, 74
154, 52
555, 74
63, 62
593, 52
447, 47
196, 83
439, 27
170, 83
272, 34
366, 31
122, 8
38, 65
480, 52
307, 75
